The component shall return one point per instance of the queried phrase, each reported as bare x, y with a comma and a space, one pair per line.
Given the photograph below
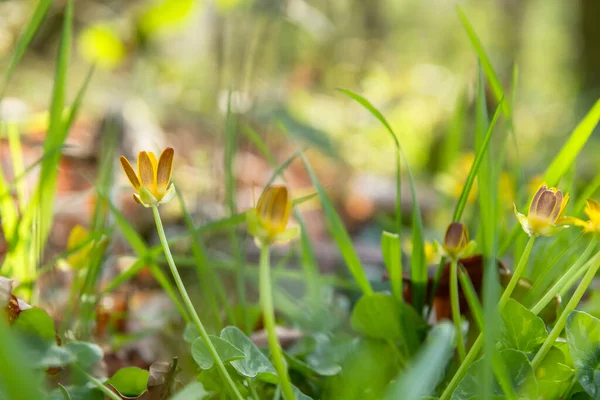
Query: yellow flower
456, 242
592, 210
152, 182
78, 258
545, 212
268, 221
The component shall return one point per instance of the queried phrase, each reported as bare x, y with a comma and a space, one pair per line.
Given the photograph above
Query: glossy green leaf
36, 321
583, 337
86, 354
554, 376
522, 329
130, 381
521, 375
226, 351
254, 361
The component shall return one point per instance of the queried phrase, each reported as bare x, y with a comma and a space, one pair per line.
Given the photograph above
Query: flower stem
455, 305
188, 303
516, 274
474, 351
560, 323
266, 303
565, 281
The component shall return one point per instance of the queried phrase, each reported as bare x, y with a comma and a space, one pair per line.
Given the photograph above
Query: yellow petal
592, 209
153, 159
133, 179
563, 205
145, 169
165, 168
78, 235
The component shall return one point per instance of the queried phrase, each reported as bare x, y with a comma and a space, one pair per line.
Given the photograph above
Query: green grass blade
230, 196
454, 136
423, 374
391, 250
565, 158
339, 232
16, 155
32, 26
462, 200
127, 230
418, 262
125, 276
206, 275
8, 211
260, 144
486, 64
78, 100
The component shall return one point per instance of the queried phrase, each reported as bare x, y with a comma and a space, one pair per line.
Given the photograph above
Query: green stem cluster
455, 305
266, 303
192, 311
478, 344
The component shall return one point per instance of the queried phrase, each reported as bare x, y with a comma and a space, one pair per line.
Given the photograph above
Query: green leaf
190, 333
32, 26
522, 329
130, 381
378, 316
77, 393
486, 64
339, 232
392, 257
226, 351
518, 367
86, 354
583, 337
554, 376
567, 155
481, 152
193, 391
427, 369
254, 361
36, 321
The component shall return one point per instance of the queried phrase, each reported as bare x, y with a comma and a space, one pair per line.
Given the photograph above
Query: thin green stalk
574, 277
188, 303
516, 274
252, 389
476, 348
266, 303
562, 320
462, 370
565, 281
455, 305
104, 389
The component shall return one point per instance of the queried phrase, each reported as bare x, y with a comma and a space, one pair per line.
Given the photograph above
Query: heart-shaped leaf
583, 337
226, 351
522, 329
254, 361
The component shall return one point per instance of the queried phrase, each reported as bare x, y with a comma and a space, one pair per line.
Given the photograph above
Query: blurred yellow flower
78, 259
100, 45
545, 212
268, 221
592, 210
431, 253
153, 180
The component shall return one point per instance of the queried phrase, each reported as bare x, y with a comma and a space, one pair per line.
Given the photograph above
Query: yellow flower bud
268, 221
545, 212
456, 241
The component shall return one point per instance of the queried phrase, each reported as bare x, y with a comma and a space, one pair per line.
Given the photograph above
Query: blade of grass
392, 253
418, 262
16, 155
565, 158
486, 64
454, 136
206, 275
30, 29
423, 374
339, 232
234, 240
